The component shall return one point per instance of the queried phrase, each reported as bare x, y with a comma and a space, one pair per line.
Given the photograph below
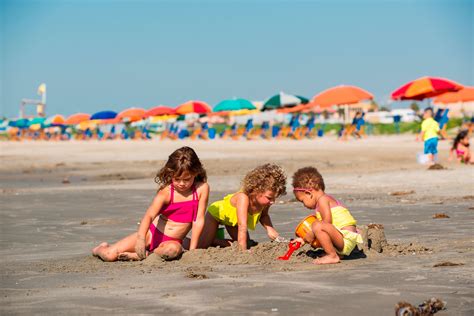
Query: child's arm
198, 224
242, 205
150, 215
420, 136
266, 222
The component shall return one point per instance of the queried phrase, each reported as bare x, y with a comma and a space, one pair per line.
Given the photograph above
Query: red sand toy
292, 246
301, 230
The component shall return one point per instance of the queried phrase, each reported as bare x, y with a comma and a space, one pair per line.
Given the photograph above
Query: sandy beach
60, 199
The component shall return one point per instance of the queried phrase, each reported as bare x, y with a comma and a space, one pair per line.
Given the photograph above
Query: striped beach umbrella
283, 100
234, 105
77, 118
425, 87
198, 107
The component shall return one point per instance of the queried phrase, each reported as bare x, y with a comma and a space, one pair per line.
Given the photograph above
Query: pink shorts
158, 237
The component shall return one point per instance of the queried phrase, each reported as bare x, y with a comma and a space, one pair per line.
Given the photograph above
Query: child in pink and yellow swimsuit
178, 206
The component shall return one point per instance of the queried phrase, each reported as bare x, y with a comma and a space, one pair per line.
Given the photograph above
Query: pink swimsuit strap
181, 212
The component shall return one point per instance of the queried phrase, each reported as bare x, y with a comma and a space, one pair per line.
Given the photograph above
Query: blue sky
97, 55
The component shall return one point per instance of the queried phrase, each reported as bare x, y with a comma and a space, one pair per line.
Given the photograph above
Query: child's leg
111, 252
234, 233
208, 231
330, 239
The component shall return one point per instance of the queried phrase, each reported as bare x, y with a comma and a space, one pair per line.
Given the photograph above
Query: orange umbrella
131, 114
55, 120
341, 95
425, 87
77, 118
463, 95
193, 107
159, 110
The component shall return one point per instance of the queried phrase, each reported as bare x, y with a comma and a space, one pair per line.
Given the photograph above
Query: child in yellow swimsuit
242, 210
335, 228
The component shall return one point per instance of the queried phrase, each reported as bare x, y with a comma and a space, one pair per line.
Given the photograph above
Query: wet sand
61, 199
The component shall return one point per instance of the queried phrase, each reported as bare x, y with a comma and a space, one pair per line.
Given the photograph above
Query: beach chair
239, 133
195, 133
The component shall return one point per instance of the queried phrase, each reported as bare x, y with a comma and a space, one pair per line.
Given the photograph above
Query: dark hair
429, 109
181, 160
460, 136
308, 178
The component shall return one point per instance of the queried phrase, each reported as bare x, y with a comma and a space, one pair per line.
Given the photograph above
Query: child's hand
299, 239
140, 247
272, 233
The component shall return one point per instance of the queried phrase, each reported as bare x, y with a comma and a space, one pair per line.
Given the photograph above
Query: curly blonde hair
267, 177
308, 178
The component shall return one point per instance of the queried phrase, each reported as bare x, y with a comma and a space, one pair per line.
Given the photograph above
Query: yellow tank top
226, 214
341, 217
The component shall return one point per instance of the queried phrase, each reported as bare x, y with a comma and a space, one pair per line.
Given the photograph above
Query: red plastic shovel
292, 246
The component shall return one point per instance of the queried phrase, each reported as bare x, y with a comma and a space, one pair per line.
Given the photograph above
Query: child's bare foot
96, 249
327, 259
128, 256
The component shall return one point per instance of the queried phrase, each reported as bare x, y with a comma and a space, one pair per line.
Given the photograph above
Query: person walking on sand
429, 134
178, 206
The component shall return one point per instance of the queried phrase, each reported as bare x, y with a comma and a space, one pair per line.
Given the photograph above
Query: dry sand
61, 199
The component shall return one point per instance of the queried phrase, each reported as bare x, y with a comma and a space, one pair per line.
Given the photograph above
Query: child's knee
317, 226
171, 251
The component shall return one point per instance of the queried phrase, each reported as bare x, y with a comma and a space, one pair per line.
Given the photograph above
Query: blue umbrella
104, 115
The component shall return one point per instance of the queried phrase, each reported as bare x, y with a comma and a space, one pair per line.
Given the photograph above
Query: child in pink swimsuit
460, 148
178, 206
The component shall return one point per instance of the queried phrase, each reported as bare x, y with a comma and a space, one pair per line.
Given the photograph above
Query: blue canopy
104, 115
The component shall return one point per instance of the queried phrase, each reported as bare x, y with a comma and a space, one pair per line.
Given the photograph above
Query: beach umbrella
20, 123
103, 115
464, 95
36, 121
340, 95
131, 114
77, 118
198, 107
54, 120
283, 100
425, 87
159, 110
87, 124
234, 105
243, 112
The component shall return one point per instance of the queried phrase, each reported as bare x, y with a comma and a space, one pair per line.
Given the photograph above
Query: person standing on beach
429, 134
178, 206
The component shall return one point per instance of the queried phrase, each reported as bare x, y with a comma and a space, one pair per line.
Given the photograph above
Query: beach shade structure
464, 95
77, 118
340, 95
283, 100
104, 115
159, 111
198, 107
55, 120
234, 105
131, 115
242, 112
425, 87
87, 125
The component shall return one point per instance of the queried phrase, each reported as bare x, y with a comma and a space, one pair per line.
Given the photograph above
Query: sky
112, 55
